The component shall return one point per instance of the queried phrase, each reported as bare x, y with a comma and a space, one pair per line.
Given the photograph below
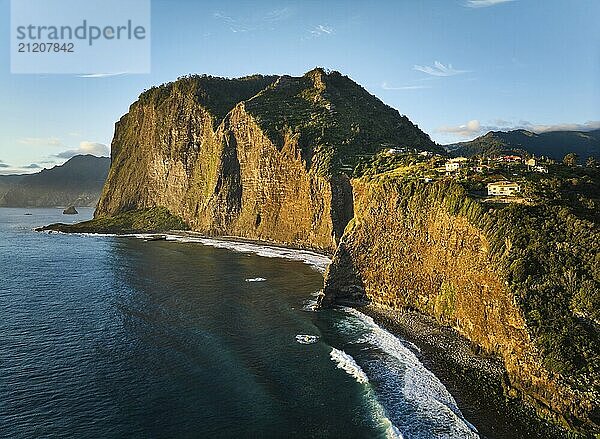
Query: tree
591, 162
571, 159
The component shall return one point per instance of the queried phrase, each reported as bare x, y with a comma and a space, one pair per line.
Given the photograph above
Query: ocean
120, 337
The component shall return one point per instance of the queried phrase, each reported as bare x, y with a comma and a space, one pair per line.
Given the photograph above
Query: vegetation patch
152, 220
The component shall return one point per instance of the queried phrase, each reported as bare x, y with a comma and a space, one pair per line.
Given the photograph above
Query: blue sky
457, 68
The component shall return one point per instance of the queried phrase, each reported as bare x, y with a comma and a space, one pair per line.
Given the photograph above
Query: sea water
105, 336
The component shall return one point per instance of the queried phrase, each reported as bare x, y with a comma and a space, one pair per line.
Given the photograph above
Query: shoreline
476, 381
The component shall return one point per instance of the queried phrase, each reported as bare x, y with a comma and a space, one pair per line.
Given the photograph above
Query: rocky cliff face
257, 157
416, 247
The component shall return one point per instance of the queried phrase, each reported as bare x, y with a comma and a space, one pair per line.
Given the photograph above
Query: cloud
93, 148
386, 86
439, 69
32, 166
484, 3
102, 75
474, 128
40, 141
320, 30
237, 25
470, 129
4, 165
541, 128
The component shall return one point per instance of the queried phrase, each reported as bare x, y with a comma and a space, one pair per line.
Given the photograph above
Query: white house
503, 188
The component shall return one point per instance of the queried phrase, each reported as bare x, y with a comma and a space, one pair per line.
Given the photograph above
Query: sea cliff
256, 157
429, 247
295, 160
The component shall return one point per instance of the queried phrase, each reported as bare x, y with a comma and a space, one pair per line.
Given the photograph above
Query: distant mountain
7, 182
77, 182
553, 144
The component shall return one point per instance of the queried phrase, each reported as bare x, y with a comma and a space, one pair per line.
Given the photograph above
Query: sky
456, 68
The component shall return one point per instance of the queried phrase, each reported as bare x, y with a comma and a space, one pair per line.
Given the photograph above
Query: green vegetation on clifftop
153, 220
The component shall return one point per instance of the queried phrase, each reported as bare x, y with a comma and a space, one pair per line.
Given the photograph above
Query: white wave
307, 339
315, 260
419, 386
256, 279
347, 363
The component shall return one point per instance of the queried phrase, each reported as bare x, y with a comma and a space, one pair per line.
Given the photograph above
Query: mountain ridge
552, 144
78, 181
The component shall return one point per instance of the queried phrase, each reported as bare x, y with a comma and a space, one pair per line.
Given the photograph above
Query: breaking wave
412, 396
347, 363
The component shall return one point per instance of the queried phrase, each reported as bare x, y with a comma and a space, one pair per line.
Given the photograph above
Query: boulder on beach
70, 211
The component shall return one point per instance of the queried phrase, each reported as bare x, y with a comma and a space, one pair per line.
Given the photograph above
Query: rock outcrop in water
70, 211
258, 157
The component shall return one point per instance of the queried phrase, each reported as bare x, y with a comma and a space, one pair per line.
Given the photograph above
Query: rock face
268, 158
256, 157
70, 211
410, 247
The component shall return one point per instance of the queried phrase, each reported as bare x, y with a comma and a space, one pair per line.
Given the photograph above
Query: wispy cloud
94, 148
474, 128
40, 141
439, 69
320, 30
386, 86
4, 165
102, 75
32, 166
265, 21
541, 128
484, 3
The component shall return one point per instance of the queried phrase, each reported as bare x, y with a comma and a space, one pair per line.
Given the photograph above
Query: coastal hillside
7, 182
316, 161
521, 281
261, 157
77, 182
553, 144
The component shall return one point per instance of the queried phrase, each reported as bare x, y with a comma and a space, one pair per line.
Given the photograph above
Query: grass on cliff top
152, 220
336, 120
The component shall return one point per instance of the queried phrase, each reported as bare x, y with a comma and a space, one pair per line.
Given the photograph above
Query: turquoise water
118, 337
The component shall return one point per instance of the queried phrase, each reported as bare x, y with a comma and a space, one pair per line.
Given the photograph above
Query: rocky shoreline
476, 381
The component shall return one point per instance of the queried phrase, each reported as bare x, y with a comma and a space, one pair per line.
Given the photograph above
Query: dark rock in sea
70, 211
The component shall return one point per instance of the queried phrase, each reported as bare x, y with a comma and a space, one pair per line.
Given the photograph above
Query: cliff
269, 158
78, 182
498, 275
258, 157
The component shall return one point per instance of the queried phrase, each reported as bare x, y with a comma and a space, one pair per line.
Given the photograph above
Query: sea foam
399, 368
347, 363
256, 279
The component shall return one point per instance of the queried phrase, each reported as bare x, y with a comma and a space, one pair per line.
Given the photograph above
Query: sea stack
70, 211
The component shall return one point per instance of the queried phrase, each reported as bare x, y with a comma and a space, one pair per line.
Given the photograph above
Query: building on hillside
455, 164
511, 158
503, 188
531, 162
452, 166
542, 169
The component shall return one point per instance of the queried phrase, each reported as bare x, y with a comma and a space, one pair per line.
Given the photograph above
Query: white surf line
315, 260
347, 363
420, 384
